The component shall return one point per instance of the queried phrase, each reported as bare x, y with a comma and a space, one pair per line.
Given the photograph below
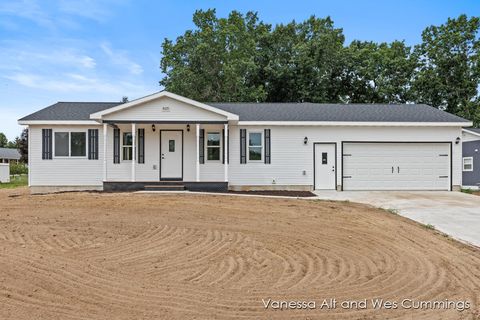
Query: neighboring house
471, 158
8, 155
166, 139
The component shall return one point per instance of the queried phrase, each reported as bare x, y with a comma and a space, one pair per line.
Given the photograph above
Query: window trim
256, 146
463, 164
125, 146
69, 131
219, 146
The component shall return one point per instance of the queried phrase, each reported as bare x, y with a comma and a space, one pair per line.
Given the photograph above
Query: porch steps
164, 187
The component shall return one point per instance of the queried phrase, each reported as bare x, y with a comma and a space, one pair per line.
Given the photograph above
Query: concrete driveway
455, 213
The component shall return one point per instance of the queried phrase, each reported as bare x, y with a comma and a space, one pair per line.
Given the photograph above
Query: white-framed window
213, 146
70, 144
127, 140
255, 146
468, 164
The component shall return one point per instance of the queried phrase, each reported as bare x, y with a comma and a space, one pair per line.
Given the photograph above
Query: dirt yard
144, 256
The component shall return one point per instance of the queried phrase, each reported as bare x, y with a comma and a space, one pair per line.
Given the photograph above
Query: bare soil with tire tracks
187, 256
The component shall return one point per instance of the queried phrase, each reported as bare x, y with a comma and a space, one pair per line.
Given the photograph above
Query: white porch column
105, 130
225, 152
197, 158
134, 149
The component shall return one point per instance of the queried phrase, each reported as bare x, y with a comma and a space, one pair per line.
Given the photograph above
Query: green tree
378, 73
12, 144
22, 145
240, 58
216, 61
299, 61
3, 140
449, 66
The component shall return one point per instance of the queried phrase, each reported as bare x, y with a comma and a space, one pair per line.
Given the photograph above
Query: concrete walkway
454, 213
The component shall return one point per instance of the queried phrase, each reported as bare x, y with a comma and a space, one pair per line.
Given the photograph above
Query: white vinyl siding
165, 109
290, 156
63, 171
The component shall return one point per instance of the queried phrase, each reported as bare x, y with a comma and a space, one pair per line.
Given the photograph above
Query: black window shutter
47, 144
228, 146
116, 145
141, 145
93, 144
243, 145
223, 145
201, 145
267, 151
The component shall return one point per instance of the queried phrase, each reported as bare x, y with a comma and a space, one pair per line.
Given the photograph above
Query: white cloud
88, 62
74, 83
91, 9
27, 9
120, 58
55, 15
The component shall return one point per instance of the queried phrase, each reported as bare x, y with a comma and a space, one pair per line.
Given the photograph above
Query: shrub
392, 211
18, 168
429, 226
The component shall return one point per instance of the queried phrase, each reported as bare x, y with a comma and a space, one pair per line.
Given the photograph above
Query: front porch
149, 155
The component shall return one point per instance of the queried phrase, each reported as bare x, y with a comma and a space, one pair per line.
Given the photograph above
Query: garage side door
396, 166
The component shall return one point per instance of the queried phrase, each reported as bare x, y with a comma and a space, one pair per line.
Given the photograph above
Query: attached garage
396, 166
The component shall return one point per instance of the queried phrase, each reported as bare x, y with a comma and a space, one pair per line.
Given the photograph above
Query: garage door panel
396, 166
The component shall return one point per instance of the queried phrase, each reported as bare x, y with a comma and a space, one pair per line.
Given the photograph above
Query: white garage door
396, 166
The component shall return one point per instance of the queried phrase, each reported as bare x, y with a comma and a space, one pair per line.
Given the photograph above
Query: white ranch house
168, 141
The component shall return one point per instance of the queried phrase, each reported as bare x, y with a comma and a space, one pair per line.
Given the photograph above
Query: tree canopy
241, 58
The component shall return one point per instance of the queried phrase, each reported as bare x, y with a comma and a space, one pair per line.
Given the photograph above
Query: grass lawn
15, 182
469, 191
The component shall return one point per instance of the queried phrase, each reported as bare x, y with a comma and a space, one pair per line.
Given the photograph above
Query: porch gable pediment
164, 106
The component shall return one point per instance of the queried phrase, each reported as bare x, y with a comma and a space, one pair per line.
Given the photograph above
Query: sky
102, 50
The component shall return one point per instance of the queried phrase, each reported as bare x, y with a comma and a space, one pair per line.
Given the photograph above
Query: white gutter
355, 123
471, 132
58, 122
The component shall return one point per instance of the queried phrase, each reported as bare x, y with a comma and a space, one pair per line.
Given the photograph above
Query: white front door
325, 169
171, 155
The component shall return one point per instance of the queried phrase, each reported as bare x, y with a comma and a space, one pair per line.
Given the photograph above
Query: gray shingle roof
337, 112
70, 111
276, 112
7, 153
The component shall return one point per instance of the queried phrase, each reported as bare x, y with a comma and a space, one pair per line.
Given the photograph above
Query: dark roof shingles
276, 112
70, 111
337, 112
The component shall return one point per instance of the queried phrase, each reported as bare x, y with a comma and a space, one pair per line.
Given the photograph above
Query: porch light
457, 141
305, 140
153, 127
188, 127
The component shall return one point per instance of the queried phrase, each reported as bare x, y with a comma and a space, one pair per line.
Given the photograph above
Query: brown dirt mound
147, 256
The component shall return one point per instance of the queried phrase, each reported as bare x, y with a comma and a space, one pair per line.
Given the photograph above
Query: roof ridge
328, 103
119, 102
